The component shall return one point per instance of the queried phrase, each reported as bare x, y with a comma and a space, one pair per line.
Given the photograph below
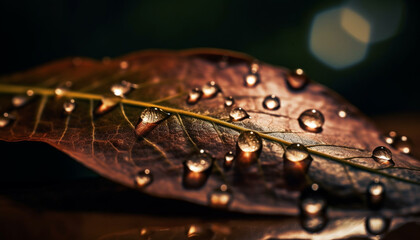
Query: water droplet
383, 156
197, 232
143, 178
311, 120
123, 88
297, 80
390, 138
249, 146
403, 144
105, 105
149, 119
221, 197
377, 225
271, 102
63, 88
238, 114
251, 79
210, 90
314, 224
342, 113
313, 204
200, 162
254, 67
228, 160
124, 65
313, 208
375, 194
21, 100
69, 106
295, 165
6, 119
194, 96
229, 101
296, 152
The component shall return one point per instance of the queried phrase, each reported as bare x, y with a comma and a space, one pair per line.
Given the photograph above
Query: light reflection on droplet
313, 208
220, 197
194, 96
21, 100
149, 119
375, 194
311, 120
249, 141
403, 144
62, 88
143, 178
123, 88
296, 152
229, 101
200, 162
271, 102
238, 114
69, 106
383, 156
297, 80
6, 119
228, 160
210, 90
251, 79
106, 105
255, 67
377, 225
390, 138
198, 232
342, 113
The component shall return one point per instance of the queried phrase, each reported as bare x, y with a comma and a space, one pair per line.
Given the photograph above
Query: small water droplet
21, 100
342, 113
383, 156
149, 119
228, 160
124, 65
297, 80
313, 204
197, 232
123, 88
390, 138
375, 194
271, 102
6, 119
403, 144
377, 225
311, 120
69, 106
251, 79
210, 90
249, 146
194, 96
200, 162
229, 101
143, 178
221, 197
105, 105
238, 114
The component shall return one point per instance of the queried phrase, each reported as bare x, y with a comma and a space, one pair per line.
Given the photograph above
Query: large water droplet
221, 197
297, 80
311, 120
249, 146
69, 106
6, 119
377, 225
271, 102
390, 137
200, 162
106, 105
21, 100
149, 119
143, 178
251, 79
296, 152
123, 88
210, 90
238, 114
375, 194
228, 160
383, 156
197, 232
403, 144
194, 96
229, 101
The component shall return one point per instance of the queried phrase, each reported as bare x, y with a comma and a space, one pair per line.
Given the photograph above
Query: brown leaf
104, 139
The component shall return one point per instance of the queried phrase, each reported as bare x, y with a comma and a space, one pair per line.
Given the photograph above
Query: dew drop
143, 178
200, 162
238, 114
197, 232
271, 102
221, 197
194, 96
375, 194
251, 79
377, 225
297, 80
105, 105
210, 90
229, 101
383, 156
124, 65
228, 160
390, 138
149, 119
21, 100
311, 120
249, 146
6, 119
403, 144
296, 152
342, 113
295, 165
69, 106
123, 88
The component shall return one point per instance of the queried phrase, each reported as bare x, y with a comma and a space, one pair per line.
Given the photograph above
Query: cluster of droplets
400, 142
209, 90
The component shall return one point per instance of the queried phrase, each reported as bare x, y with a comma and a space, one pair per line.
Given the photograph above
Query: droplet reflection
69, 106
200, 162
221, 197
375, 194
229, 101
377, 225
210, 90
123, 88
228, 160
106, 105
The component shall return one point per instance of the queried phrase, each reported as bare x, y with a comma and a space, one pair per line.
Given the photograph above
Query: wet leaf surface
152, 129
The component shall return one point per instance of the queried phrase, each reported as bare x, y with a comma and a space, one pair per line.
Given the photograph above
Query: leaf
341, 152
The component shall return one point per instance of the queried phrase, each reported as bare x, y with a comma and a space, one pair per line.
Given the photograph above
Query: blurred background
367, 51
